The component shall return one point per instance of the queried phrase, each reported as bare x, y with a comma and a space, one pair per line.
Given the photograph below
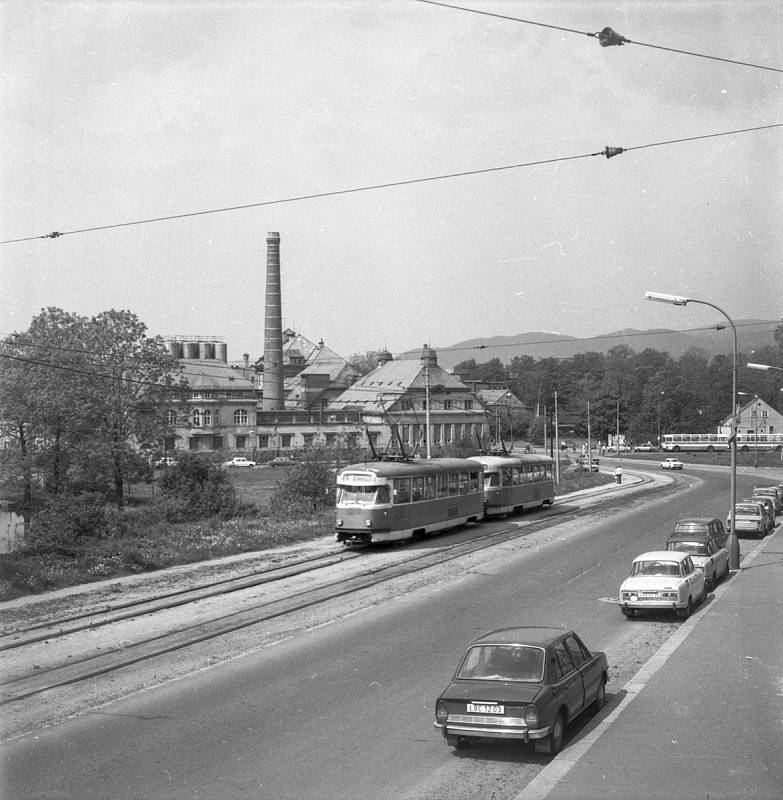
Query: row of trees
691, 393
79, 396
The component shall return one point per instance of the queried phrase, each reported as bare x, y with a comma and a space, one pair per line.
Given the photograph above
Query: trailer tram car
514, 483
387, 501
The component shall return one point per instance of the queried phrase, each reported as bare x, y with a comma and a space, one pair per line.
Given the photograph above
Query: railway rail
35, 679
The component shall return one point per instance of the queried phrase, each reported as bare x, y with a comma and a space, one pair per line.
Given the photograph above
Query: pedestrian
618, 475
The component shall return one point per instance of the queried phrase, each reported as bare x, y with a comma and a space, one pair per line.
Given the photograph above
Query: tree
130, 383
79, 395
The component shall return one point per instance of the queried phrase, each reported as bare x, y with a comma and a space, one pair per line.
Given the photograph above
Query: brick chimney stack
272, 399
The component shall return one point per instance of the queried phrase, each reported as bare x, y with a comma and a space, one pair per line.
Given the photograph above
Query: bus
715, 442
514, 483
387, 501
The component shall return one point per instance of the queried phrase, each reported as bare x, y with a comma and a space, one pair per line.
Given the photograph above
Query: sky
118, 112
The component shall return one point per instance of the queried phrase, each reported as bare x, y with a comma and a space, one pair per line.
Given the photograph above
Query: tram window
463, 482
443, 485
453, 485
506, 476
402, 490
359, 495
474, 482
382, 497
518, 477
418, 489
429, 487
491, 480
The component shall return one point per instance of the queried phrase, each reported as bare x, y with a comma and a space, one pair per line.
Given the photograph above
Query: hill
751, 335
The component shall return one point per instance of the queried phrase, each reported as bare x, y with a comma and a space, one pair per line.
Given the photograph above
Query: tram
514, 483
387, 501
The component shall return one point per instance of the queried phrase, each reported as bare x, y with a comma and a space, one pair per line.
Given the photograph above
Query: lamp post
659, 419
732, 543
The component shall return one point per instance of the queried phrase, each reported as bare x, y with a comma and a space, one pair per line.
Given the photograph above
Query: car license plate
484, 708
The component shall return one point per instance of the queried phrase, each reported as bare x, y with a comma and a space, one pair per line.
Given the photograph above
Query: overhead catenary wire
614, 39
608, 152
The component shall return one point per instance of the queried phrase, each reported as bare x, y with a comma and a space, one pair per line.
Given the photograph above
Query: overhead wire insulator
610, 152
607, 37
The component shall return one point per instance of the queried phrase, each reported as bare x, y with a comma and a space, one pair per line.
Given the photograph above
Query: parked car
238, 461
773, 492
707, 525
671, 463
521, 683
663, 580
282, 461
769, 508
644, 448
705, 553
166, 461
749, 518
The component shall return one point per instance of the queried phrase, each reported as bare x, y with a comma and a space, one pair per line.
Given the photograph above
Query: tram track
414, 558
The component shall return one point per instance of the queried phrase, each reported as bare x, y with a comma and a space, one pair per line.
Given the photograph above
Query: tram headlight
368, 523
339, 523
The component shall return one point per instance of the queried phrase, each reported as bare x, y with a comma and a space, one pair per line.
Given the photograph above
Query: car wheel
703, 598
629, 613
556, 737
600, 698
709, 586
684, 613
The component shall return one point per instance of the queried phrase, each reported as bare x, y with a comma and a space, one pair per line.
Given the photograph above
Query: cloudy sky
116, 112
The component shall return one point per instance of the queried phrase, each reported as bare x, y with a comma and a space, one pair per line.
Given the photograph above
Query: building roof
394, 379
212, 374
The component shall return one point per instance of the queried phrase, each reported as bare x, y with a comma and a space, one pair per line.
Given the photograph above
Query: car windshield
696, 548
656, 567
496, 662
749, 510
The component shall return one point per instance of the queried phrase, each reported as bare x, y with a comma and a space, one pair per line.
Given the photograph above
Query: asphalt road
346, 710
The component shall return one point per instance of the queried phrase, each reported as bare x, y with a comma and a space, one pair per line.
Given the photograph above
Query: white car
239, 461
663, 580
644, 448
671, 463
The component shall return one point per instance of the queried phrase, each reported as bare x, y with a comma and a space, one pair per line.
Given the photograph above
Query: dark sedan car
521, 683
706, 525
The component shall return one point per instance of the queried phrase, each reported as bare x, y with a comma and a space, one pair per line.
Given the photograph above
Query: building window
170, 443
405, 433
447, 433
447, 404
240, 417
263, 441
458, 432
468, 405
196, 421
217, 442
407, 405
436, 428
240, 442
206, 417
286, 440
193, 443
171, 417
331, 439
308, 439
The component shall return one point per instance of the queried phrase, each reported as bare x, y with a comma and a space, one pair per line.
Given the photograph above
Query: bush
65, 519
195, 489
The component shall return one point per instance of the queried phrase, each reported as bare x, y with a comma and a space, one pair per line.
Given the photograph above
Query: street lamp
732, 543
